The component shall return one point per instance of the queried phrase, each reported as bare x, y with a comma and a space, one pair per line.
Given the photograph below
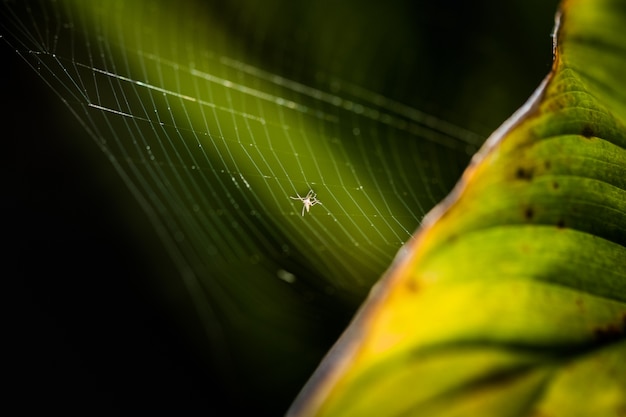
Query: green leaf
511, 298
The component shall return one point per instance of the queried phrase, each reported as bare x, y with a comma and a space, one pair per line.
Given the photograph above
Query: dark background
89, 329
88, 333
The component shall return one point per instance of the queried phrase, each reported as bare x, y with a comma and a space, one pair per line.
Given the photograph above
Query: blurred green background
98, 322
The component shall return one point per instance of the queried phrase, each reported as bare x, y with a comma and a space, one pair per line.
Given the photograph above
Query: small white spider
308, 201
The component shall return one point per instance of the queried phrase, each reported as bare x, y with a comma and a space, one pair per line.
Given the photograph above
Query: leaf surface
511, 298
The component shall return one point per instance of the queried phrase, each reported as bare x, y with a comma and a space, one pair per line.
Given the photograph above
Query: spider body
307, 201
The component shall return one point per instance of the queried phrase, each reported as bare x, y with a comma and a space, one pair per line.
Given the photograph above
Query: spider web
213, 140
216, 147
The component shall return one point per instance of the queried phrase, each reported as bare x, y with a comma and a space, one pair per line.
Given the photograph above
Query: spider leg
303, 207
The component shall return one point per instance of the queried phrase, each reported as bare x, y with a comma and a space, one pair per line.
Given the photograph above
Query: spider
309, 200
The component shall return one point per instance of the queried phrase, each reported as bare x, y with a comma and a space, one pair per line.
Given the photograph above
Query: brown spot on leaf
580, 303
412, 286
529, 213
453, 238
524, 173
587, 131
608, 333
555, 185
611, 332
